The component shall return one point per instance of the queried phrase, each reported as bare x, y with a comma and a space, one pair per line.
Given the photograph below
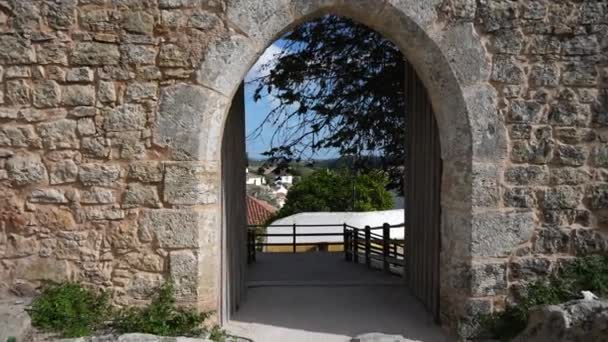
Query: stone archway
453, 67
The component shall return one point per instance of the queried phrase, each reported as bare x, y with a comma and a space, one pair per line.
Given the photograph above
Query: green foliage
335, 85
70, 309
161, 317
588, 273
73, 311
327, 190
11, 339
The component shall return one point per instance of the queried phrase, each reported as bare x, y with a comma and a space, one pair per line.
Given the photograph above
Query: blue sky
256, 111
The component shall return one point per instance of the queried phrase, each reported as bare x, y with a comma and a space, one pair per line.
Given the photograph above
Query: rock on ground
578, 320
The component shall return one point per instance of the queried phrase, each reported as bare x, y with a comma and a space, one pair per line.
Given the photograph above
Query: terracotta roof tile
258, 211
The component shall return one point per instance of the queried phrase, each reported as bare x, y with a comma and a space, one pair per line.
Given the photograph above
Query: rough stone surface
579, 320
112, 115
497, 234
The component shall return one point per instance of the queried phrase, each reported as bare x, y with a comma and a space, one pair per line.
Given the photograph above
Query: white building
254, 179
355, 219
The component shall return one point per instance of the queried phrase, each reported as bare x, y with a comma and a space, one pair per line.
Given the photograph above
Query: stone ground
320, 297
14, 321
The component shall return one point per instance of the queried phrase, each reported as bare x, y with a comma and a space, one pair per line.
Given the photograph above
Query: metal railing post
356, 245
294, 238
368, 246
253, 244
386, 240
248, 246
345, 241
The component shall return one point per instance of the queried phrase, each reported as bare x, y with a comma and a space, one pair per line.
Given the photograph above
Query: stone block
519, 197
106, 92
94, 53
497, 234
234, 53
525, 111
527, 175
190, 183
16, 50
178, 228
552, 240
562, 197
598, 196
173, 55
544, 75
138, 54
567, 217
60, 134
128, 117
260, 20
49, 196
82, 74
140, 91
485, 188
146, 171
569, 176
26, 169
589, 241
78, 95
19, 136
505, 70
46, 94
63, 171
570, 155
184, 270
529, 268
488, 279
188, 122
95, 147
18, 92
138, 22
139, 195
97, 195
97, 174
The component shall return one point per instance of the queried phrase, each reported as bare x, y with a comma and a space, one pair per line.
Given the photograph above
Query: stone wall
112, 111
550, 70
86, 193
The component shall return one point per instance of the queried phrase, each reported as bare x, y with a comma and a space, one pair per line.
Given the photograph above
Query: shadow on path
321, 297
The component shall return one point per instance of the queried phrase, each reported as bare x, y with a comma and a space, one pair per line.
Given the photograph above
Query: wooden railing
360, 245
368, 247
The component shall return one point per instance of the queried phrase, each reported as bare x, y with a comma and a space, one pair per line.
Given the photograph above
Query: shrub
586, 273
70, 309
161, 317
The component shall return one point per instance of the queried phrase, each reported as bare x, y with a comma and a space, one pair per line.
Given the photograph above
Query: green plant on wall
70, 309
588, 273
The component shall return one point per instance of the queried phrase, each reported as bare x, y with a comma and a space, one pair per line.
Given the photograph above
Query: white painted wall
356, 219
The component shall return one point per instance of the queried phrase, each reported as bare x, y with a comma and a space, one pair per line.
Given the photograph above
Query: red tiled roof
258, 211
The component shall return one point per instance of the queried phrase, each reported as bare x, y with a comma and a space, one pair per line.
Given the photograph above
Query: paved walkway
321, 297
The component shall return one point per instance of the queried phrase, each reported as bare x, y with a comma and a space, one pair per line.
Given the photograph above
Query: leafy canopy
330, 190
336, 84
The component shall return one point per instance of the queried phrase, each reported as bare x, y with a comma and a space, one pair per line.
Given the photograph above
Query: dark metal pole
368, 246
294, 238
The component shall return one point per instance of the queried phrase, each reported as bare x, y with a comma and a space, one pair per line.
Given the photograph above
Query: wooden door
234, 220
422, 200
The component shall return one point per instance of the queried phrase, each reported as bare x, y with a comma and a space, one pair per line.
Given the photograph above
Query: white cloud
269, 56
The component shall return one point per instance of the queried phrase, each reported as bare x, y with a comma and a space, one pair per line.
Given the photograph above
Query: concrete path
320, 297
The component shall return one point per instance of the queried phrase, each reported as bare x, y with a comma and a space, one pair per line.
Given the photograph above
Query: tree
336, 84
329, 190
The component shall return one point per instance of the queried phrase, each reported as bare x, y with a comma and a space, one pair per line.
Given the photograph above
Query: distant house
280, 189
254, 179
258, 211
284, 179
281, 199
